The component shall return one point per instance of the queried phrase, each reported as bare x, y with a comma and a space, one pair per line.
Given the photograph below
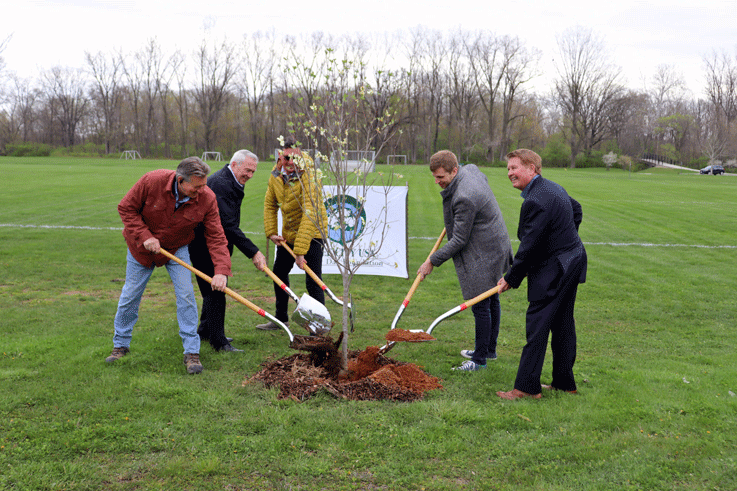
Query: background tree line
468, 91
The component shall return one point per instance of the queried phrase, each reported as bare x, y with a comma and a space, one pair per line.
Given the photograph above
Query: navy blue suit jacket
550, 248
230, 196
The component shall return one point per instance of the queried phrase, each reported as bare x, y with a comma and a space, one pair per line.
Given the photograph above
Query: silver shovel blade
312, 314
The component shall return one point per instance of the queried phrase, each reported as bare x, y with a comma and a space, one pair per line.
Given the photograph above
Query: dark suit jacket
229, 198
550, 248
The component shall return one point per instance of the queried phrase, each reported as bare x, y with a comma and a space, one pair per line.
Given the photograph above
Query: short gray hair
192, 166
242, 155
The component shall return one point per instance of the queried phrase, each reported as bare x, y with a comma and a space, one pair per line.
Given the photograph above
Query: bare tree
519, 65
586, 86
22, 106
216, 68
627, 119
65, 90
668, 89
412, 86
3, 45
462, 97
256, 83
382, 102
107, 95
152, 66
166, 91
181, 97
721, 89
485, 52
434, 79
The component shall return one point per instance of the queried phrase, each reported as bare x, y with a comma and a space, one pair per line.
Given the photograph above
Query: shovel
310, 314
384, 349
462, 306
230, 292
322, 285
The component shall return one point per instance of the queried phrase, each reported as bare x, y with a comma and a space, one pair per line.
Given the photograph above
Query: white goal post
396, 160
130, 154
356, 159
211, 155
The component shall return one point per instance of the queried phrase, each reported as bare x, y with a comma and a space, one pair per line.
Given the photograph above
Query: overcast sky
640, 35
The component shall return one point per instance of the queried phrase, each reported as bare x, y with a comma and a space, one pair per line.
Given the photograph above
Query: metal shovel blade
312, 315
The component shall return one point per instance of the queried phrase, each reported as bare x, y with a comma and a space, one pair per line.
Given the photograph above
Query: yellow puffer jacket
302, 206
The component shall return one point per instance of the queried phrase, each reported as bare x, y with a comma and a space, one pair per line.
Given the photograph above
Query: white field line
613, 244
72, 227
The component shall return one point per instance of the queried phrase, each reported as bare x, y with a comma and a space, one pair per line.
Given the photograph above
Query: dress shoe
517, 394
270, 326
203, 339
550, 387
229, 347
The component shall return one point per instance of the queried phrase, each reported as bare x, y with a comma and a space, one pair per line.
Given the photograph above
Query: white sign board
384, 214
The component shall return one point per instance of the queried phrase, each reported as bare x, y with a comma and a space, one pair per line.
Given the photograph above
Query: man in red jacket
161, 211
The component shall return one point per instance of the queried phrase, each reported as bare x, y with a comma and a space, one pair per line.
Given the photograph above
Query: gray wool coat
477, 236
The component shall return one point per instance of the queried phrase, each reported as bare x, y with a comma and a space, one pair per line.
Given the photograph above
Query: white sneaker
469, 366
467, 353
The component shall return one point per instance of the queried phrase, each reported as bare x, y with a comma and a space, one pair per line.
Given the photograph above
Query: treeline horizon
467, 91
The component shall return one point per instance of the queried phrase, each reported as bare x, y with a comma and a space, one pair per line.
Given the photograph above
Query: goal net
355, 159
396, 160
130, 154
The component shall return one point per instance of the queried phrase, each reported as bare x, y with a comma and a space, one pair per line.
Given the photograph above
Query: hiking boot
467, 353
469, 366
271, 326
192, 360
117, 354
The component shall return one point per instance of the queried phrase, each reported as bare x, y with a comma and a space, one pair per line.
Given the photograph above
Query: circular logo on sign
355, 220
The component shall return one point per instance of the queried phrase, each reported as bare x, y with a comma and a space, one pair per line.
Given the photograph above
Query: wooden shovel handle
478, 298
417, 281
309, 271
274, 277
202, 275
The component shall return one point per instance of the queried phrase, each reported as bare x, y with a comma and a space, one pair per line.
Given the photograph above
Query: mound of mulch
404, 335
369, 377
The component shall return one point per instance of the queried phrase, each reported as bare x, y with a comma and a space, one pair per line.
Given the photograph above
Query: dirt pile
404, 335
369, 377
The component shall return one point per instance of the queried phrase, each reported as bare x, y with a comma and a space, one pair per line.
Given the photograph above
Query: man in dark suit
552, 257
227, 184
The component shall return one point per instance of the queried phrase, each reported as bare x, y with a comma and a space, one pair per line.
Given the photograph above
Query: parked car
712, 169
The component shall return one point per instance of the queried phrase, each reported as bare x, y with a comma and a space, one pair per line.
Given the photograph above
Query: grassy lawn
656, 366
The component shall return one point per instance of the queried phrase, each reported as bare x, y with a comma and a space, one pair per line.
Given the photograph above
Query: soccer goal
211, 156
396, 160
130, 154
355, 159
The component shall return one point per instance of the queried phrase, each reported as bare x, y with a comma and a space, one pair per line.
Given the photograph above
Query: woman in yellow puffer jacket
294, 189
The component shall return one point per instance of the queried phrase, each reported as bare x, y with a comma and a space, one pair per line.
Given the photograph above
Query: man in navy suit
552, 257
228, 186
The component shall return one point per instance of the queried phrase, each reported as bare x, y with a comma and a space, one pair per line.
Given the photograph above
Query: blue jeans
136, 279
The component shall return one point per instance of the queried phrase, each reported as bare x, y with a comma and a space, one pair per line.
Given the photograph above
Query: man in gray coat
479, 244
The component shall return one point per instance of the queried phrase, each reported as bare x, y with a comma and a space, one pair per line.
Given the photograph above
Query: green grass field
656, 408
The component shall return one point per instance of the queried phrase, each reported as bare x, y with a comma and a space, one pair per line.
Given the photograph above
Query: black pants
283, 265
212, 317
487, 316
552, 316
